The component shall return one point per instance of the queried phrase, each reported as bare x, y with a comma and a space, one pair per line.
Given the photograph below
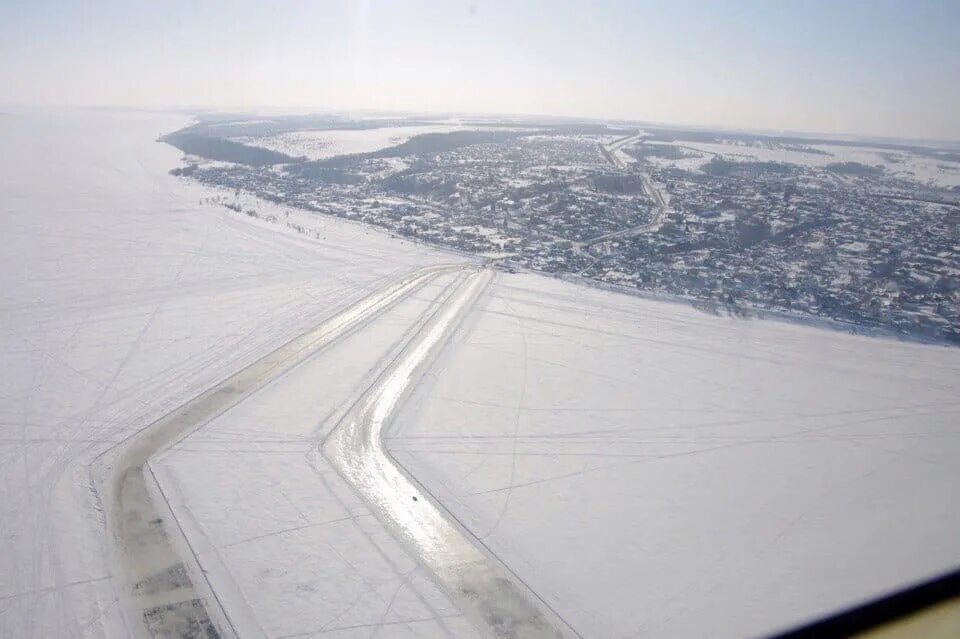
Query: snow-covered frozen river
629, 467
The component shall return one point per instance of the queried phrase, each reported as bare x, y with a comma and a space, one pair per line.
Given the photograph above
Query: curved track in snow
496, 600
612, 152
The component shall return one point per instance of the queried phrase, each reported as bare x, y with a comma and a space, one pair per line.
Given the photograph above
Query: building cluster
857, 247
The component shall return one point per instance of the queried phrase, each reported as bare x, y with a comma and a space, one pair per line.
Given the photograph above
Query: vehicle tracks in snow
497, 600
163, 590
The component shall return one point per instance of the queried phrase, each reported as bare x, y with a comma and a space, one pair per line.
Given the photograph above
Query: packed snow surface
484, 589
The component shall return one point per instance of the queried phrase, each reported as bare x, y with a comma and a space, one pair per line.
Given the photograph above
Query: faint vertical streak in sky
361, 44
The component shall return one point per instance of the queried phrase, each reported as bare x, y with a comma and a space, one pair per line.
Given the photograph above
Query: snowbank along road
164, 591
479, 583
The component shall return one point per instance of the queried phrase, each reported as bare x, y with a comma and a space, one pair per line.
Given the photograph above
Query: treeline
720, 167
616, 183
803, 144
237, 125
227, 150
665, 151
417, 145
853, 168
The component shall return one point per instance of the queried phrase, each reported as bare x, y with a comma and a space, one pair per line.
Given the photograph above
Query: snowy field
322, 144
318, 145
901, 164
645, 469
652, 471
121, 296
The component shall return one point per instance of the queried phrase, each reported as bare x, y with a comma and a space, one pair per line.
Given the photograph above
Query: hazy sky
881, 67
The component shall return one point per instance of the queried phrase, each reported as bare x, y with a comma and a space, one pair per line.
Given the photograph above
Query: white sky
881, 67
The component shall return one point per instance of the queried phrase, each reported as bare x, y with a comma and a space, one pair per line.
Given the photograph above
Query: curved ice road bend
496, 600
161, 588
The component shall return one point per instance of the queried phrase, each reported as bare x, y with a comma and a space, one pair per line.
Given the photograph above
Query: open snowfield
652, 471
908, 166
640, 468
328, 143
319, 145
120, 298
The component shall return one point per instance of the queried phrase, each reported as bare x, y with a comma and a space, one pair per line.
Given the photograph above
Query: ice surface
654, 471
